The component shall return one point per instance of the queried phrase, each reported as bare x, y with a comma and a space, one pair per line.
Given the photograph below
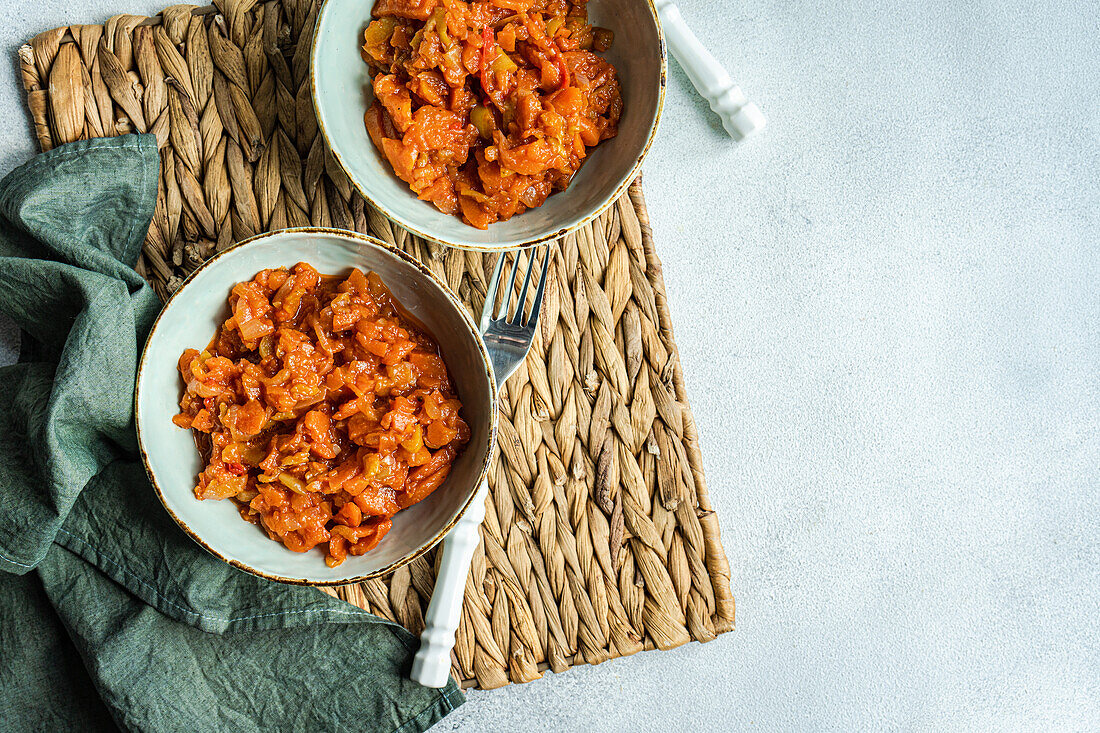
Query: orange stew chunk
320, 408
486, 108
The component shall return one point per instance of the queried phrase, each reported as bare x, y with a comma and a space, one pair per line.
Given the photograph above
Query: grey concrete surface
888, 312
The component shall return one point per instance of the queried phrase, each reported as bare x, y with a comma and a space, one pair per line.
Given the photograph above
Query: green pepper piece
503, 63
439, 15
482, 119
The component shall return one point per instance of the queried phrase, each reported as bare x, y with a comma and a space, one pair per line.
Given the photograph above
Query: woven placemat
599, 540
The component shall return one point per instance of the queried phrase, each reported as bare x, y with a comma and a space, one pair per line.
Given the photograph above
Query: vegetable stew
487, 108
320, 409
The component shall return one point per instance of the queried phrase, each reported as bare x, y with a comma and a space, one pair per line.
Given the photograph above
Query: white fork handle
739, 116
432, 664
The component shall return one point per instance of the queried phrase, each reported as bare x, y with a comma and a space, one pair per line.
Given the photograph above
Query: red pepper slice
563, 70
487, 41
236, 468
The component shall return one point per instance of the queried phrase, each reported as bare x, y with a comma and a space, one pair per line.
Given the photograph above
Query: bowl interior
189, 321
342, 93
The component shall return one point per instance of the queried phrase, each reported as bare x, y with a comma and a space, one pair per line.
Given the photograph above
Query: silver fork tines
508, 339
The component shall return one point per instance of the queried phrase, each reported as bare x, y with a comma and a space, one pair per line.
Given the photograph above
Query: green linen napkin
109, 614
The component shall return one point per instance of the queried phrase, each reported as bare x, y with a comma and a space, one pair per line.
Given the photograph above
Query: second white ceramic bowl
341, 85
189, 320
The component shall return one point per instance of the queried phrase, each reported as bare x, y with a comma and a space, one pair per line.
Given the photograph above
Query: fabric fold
73, 223
115, 594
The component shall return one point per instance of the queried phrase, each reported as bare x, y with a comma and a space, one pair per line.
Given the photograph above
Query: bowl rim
466, 318
596, 211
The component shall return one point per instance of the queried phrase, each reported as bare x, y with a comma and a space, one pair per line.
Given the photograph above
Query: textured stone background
888, 312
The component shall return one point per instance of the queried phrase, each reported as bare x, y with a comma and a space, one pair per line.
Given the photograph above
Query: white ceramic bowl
189, 320
341, 85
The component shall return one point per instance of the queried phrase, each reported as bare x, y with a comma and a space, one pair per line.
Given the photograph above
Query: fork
507, 340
